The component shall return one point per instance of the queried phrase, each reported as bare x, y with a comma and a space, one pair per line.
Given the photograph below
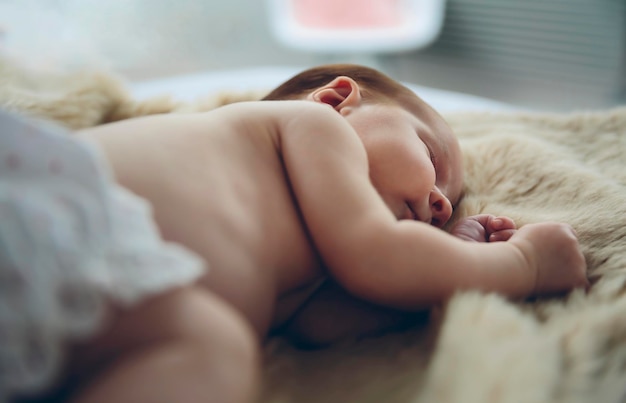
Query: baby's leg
183, 346
332, 315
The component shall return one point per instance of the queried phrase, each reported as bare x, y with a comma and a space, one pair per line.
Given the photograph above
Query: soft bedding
478, 348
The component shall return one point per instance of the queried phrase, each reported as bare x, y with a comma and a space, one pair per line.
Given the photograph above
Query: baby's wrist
527, 263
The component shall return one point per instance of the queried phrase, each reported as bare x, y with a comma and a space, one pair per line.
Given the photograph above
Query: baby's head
398, 129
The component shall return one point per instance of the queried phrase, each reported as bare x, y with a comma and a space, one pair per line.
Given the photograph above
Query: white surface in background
73, 33
191, 87
141, 38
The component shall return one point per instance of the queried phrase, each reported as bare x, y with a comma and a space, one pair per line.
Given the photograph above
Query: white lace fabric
70, 240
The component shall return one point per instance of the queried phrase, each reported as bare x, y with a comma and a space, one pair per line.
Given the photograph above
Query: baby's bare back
218, 186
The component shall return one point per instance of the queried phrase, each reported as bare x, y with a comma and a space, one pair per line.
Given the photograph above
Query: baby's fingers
500, 223
501, 236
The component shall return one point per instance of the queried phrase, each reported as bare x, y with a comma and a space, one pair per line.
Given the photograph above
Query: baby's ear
340, 93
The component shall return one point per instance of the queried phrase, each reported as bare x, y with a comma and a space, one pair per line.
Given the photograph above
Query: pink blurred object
348, 14
356, 26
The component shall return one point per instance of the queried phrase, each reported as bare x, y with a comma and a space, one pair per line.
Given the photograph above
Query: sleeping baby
166, 248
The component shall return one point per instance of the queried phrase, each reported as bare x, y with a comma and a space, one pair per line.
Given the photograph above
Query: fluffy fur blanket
532, 167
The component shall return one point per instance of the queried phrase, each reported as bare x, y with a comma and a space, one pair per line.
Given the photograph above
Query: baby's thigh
190, 314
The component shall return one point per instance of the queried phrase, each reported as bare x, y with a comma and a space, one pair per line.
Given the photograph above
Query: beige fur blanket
532, 167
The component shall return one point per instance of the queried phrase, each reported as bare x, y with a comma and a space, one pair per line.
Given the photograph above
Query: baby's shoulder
278, 119
274, 111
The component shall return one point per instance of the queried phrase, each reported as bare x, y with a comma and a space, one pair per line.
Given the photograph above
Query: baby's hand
484, 228
553, 253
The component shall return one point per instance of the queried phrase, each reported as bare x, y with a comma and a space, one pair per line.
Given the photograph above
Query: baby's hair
374, 84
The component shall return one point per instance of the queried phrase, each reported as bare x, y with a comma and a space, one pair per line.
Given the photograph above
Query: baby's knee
223, 345
210, 323
192, 316
188, 337
213, 340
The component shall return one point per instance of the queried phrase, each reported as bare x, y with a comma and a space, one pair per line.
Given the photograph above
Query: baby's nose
440, 207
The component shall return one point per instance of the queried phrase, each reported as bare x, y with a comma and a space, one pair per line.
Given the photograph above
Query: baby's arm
405, 264
332, 315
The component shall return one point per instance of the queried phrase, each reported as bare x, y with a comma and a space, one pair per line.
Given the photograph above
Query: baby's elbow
366, 280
